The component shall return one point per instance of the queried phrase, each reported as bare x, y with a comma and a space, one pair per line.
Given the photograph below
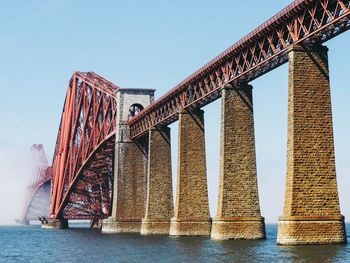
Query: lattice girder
85, 139
302, 22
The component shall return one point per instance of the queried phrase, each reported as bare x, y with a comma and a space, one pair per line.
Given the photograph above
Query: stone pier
129, 194
130, 166
192, 209
238, 212
159, 204
55, 224
311, 212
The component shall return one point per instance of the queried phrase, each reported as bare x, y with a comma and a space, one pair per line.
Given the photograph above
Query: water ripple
33, 244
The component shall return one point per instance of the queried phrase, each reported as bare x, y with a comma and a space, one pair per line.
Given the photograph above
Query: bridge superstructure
112, 155
83, 157
37, 201
306, 22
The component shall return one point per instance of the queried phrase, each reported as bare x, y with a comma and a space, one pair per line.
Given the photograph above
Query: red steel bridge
83, 158
82, 167
38, 192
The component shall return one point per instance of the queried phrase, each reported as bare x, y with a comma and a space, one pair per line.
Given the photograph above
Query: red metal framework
83, 158
265, 48
41, 175
82, 167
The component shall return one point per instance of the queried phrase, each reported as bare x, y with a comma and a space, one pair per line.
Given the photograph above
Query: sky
146, 44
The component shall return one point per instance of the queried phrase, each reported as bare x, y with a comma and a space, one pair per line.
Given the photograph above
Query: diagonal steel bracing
82, 169
265, 48
83, 158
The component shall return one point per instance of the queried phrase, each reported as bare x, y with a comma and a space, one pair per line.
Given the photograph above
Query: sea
82, 244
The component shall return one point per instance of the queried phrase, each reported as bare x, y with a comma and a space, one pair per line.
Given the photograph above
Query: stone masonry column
60, 223
192, 209
238, 212
159, 205
129, 192
130, 166
311, 212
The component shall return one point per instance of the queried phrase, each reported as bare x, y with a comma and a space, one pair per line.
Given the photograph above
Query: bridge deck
265, 48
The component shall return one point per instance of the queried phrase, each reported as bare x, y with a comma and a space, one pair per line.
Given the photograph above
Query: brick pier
60, 223
238, 212
130, 175
159, 203
311, 212
192, 208
130, 167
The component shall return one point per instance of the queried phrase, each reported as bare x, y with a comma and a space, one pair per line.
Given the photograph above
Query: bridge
38, 192
112, 159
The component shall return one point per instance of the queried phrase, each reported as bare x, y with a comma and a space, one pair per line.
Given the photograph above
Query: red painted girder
86, 135
99, 177
265, 48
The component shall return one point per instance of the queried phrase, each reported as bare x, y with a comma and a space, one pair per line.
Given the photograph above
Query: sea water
78, 244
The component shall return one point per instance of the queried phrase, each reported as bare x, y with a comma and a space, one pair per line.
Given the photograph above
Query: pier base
112, 225
55, 224
190, 227
191, 216
238, 228
304, 230
155, 226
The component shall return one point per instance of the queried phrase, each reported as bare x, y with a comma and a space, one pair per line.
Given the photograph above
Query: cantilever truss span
38, 191
265, 48
83, 157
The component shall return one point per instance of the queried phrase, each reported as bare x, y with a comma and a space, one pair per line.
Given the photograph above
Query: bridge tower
130, 165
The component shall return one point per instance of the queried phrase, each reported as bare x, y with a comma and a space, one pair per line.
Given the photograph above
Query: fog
15, 175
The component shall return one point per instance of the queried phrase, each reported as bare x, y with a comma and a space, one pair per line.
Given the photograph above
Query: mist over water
33, 244
15, 176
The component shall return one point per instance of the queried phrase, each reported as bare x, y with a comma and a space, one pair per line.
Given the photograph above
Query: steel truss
82, 167
83, 158
306, 22
36, 204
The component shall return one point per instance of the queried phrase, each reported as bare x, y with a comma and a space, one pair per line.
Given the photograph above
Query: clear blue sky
145, 44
